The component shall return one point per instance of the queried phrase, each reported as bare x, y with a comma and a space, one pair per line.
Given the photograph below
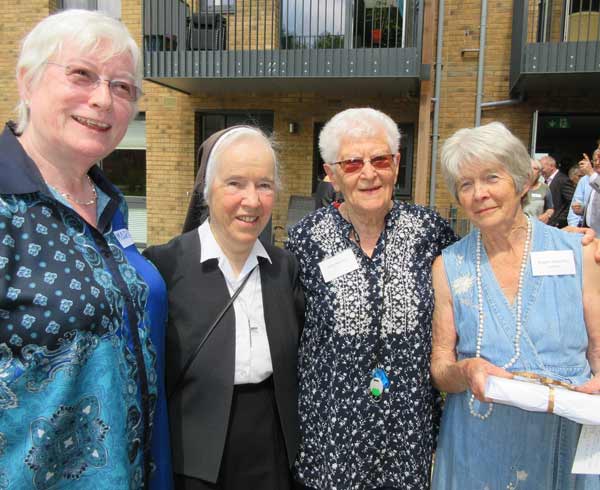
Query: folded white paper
579, 407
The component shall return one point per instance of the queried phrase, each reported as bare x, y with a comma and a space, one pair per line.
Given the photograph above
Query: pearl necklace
93, 200
519, 306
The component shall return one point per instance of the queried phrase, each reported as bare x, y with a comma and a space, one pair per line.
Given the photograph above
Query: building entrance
566, 136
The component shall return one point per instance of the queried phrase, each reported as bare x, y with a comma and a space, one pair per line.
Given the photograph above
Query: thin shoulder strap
193, 356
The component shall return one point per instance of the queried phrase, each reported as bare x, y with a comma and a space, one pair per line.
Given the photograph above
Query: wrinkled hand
476, 371
592, 386
544, 218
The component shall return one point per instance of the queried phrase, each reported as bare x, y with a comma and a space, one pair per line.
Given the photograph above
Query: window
126, 168
110, 7
208, 123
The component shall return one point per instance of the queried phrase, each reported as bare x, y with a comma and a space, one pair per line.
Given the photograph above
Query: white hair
358, 123
492, 143
226, 141
86, 30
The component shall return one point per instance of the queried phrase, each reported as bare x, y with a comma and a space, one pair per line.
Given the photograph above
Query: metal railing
555, 36
230, 33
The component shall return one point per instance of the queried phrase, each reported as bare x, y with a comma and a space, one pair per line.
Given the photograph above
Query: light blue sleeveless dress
513, 448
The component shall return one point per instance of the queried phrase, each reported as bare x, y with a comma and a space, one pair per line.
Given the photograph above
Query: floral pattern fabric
82, 322
377, 315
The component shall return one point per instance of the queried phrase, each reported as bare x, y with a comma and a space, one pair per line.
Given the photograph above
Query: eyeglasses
86, 79
379, 162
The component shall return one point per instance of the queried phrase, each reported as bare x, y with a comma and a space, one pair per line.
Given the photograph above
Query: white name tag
553, 263
587, 457
536, 195
338, 265
124, 237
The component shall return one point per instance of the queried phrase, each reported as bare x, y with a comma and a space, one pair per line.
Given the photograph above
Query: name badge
587, 457
553, 263
338, 265
536, 195
124, 237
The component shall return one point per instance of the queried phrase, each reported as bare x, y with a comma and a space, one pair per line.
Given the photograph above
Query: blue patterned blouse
82, 321
377, 315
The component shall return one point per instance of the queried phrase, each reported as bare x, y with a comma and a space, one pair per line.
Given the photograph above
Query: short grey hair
85, 29
491, 143
549, 159
226, 141
361, 122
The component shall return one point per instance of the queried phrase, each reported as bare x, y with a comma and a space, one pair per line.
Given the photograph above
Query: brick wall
170, 155
459, 79
16, 21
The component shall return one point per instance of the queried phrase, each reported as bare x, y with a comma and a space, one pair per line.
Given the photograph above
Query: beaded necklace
519, 305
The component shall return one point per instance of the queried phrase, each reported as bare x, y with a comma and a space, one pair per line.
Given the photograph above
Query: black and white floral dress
379, 314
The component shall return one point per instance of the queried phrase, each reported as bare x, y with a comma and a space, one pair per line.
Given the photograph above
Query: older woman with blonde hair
501, 307
82, 312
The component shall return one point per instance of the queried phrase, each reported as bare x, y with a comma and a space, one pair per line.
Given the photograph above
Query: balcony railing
559, 37
227, 39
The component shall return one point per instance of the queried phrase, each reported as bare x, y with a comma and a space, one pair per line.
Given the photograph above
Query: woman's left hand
591, 387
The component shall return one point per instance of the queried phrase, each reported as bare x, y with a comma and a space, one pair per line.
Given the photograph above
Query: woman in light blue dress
493, 317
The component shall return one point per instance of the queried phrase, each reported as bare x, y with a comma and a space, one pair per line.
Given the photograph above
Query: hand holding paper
574, 405
476, 372
592, 386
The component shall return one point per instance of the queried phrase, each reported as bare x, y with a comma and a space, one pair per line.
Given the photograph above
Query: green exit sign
558, 123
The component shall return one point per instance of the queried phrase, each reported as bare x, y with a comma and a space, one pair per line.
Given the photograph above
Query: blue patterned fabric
379, 314
82, 322
514, 448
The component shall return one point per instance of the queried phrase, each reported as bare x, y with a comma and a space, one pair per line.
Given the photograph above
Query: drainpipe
482, 38
502, 103
436, 109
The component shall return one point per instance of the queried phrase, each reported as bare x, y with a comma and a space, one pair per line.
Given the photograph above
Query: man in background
562, 190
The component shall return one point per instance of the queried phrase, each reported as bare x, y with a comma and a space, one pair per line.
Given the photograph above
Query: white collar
210, 249
553, 175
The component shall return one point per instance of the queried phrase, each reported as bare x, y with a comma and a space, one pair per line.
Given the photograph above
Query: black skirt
254, 457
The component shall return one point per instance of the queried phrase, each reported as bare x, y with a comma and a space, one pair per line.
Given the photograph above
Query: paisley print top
378, 315
82, 320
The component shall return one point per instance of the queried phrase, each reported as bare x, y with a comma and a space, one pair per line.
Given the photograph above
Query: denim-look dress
513, 448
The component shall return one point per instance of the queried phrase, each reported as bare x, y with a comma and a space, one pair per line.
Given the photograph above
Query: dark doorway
566, 136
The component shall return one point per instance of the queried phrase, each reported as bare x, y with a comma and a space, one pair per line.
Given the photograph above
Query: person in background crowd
539, 198
583, 190
561, 188
325, 193
575, 174
492, 317
366, 404
585, 200
82, 313
231, 371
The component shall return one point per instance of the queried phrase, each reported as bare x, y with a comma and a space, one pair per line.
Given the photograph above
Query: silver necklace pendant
376, 388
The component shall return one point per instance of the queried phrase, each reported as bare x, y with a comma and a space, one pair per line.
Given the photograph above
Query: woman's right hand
475, 372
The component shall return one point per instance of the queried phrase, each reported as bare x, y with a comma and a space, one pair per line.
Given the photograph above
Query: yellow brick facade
459, 79
170, 115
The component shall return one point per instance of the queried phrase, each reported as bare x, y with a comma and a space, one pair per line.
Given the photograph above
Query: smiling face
487, 194
366, 191
242, 193
72, 123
